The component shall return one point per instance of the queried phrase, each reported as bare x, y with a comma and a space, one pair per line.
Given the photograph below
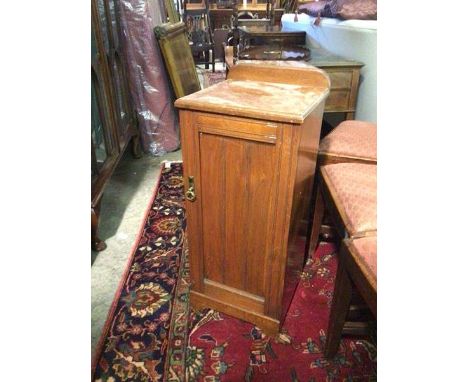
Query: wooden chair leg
206, 56
213, 59
318, 212
327, 231
339, 310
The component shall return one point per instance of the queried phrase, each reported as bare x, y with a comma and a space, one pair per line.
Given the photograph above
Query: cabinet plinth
249, 149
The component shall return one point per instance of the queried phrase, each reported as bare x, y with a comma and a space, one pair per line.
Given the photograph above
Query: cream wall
354, 39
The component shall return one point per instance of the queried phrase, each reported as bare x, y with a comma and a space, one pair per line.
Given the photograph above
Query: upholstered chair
348, 192
349, 142
357, 266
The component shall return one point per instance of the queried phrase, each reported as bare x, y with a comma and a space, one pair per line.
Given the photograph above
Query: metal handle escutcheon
190, 194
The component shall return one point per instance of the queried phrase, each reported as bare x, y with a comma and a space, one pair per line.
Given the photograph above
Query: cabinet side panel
301, 204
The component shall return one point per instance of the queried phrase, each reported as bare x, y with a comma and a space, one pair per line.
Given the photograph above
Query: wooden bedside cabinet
249, 146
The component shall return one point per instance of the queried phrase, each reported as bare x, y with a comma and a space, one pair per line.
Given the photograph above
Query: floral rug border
174, 370
131, 257
174, 367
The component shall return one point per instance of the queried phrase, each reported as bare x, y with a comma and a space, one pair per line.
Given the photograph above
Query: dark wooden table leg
96, 243
340, 305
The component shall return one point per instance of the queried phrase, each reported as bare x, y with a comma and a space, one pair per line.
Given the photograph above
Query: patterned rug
145, 335
222, 348
151, 335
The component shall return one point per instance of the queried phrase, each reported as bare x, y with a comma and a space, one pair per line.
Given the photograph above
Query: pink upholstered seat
353, 187
364, 252
352, 140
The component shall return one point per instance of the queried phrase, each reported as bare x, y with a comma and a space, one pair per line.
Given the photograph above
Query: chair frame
204, 48
314, 230
343, 293
349, 273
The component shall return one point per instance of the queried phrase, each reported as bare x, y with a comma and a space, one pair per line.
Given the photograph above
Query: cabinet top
251, 92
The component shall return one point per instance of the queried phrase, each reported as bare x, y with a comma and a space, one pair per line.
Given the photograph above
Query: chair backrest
200, 12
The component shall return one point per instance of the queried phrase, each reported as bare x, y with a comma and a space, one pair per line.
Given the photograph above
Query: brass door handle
190, 193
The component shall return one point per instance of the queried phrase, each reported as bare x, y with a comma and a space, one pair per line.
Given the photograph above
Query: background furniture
253, 22
271, 42
274, 52
271, 34
113, 123
171, 11
353, 39
220, 40
200, 33
343, 73
178, 58
222, 17
249, 151
344, 77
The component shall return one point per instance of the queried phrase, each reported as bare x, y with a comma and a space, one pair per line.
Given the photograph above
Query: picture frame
180, 65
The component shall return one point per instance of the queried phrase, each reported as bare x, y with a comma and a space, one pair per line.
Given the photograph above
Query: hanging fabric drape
149, 85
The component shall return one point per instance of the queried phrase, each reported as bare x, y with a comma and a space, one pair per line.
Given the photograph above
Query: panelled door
234, 179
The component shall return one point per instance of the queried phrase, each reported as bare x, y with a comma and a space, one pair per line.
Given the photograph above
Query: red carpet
223, 348
148, 336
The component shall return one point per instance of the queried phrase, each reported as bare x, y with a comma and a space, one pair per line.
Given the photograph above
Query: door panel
239, 171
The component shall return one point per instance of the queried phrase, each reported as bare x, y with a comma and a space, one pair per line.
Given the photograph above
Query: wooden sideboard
344, 77
249, 146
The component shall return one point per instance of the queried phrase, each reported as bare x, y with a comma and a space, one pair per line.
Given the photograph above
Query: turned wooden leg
339, 310
136, 147
96, 243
